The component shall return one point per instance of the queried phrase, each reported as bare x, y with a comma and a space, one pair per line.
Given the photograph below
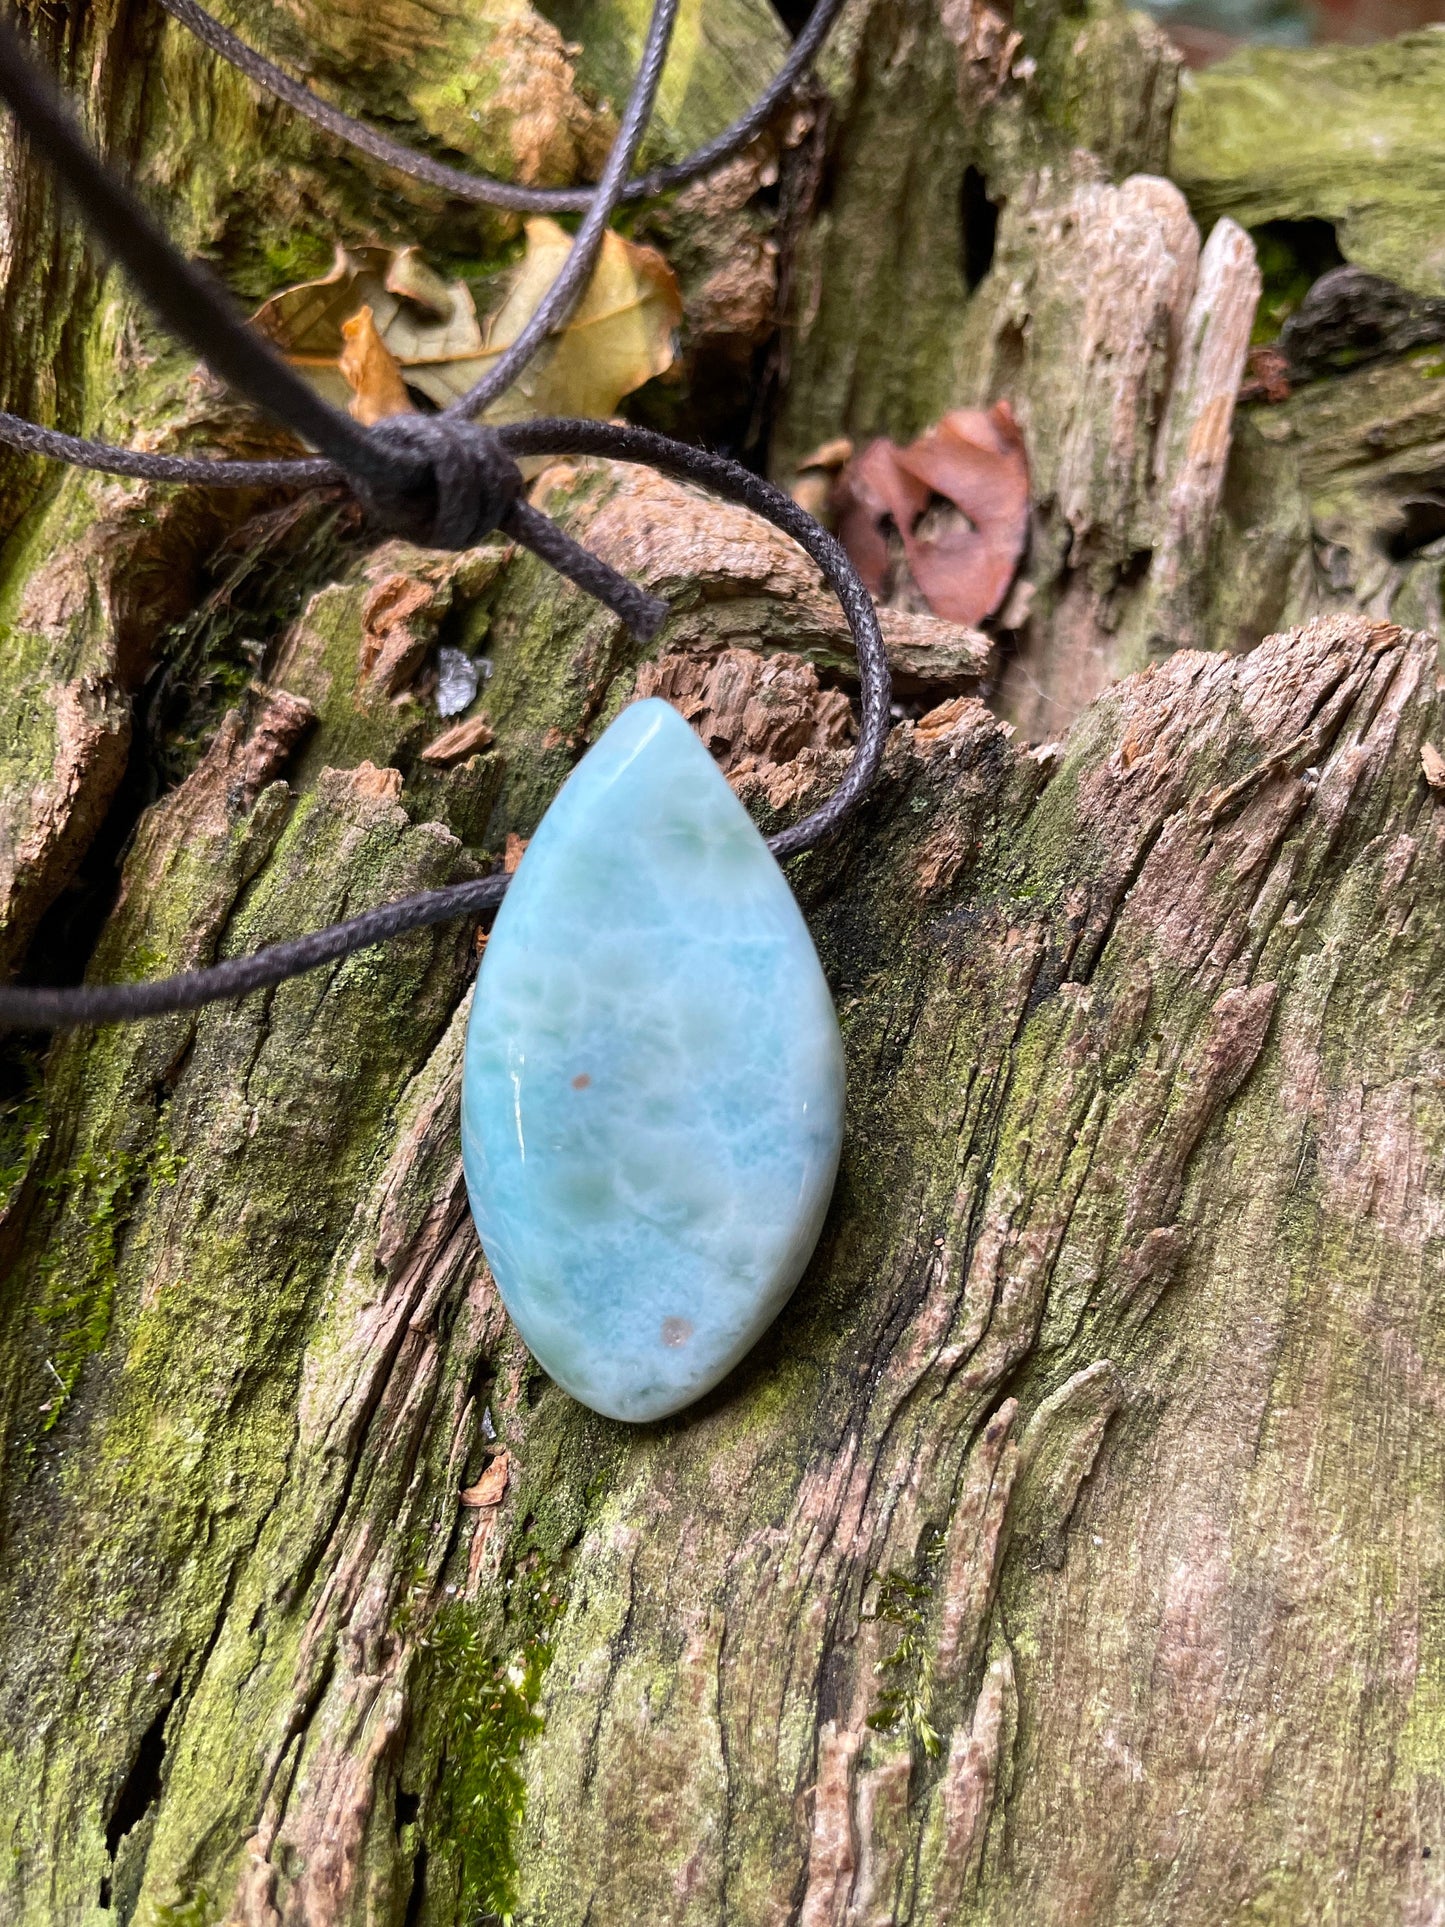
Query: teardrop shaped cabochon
652, 1100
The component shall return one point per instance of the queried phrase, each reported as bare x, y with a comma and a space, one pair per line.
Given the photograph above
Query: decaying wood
1067, 1551
1123, 349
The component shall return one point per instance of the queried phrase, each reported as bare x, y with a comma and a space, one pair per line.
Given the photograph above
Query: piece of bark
750, 709
733, 580
1122, 350
1138, 1038
1192, 449
490, 1489
463, 739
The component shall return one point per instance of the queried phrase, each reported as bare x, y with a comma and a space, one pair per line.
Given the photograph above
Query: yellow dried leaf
370, 371
411, 306
619, 336
620, 333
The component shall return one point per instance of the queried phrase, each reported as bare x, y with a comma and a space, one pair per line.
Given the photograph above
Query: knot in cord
450, 483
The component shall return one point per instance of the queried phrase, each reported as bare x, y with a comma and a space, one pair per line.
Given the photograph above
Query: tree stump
1069, 1548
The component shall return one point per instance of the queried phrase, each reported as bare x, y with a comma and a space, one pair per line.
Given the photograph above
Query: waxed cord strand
567, 290
191, 303
441, 479
483, 188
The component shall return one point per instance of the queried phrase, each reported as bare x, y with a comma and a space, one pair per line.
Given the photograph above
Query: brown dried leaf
962, 565
1433, 764
872, 492
619, 336
491, 1488
370, 371
516, 849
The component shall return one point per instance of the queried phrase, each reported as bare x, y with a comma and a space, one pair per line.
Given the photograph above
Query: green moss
905, 1699
1363, 148
209, 658
24, 1128
486, 1709
459, 109
199, 1911
1292, 255
291, 258
78, 1271
714, 72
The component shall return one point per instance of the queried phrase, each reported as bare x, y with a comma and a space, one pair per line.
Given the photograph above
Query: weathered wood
926, 91
1361, 151
1068, 1550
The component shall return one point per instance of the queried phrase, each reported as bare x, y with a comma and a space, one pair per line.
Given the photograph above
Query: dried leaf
491, 1488
411, 305
371, 372
962, 564
619, 336
1433, 764
874, 491
458, 742
516, 849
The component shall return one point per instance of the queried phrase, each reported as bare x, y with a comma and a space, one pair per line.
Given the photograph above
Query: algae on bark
1069, 1546
1348, 135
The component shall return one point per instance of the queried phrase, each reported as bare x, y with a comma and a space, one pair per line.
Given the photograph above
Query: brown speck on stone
581, 1081
676, 1331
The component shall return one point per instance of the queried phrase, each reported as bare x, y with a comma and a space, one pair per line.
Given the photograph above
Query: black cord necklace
443, 481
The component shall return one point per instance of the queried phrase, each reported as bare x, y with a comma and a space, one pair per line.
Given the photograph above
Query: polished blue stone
652, 1102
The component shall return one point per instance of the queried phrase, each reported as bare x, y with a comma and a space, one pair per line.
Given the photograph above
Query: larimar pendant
652, 1101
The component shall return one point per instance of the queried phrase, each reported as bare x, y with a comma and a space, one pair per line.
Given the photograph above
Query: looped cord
465, 490
439, 480
481, 188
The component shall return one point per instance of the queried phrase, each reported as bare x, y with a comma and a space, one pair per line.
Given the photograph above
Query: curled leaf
963, 559
619, 336
370, 371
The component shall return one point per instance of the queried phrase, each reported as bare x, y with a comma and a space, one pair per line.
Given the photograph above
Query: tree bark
1068, 1550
